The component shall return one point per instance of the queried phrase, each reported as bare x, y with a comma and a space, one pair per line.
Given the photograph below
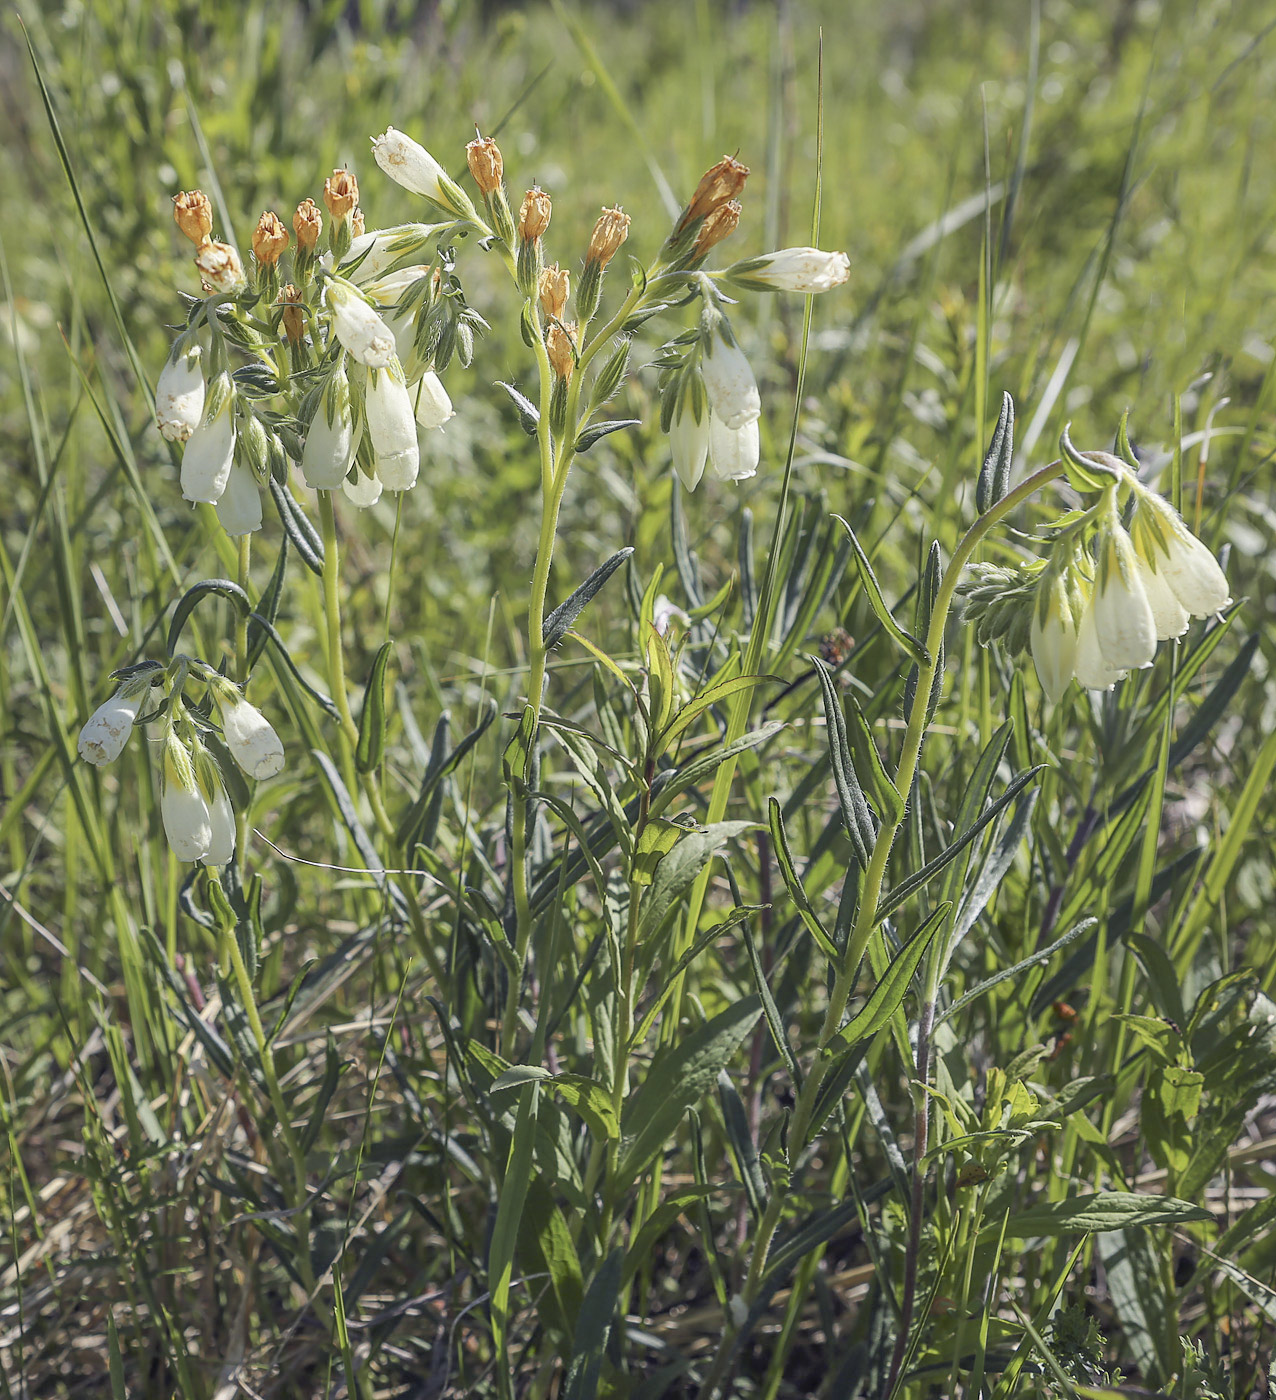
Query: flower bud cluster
195, 806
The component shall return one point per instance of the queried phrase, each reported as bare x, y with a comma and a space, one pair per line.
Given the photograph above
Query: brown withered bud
484, 159
718, 184
558, 346
356, 224
340, 193
719, 225
220, 269
533, 214
555, 288
307, 224
270, 238
609, 233
294, 320
193, 214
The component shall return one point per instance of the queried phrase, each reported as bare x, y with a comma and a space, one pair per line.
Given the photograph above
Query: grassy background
1131, 202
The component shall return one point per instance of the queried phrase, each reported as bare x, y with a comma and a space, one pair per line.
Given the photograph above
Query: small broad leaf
677, 872
658, 838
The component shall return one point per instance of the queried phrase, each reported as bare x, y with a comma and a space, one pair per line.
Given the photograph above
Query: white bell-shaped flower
795, 270
689, 435
249, 735
1053, 635
1123, 620
107, 729
239, 506
1091, 668
187, 822
729, 382
409, 164
210, 452
430, 401
733, 452
221, 815
1193, 574
363, 491
1169, 616
392, 428
330, 438
358, 327
179, 395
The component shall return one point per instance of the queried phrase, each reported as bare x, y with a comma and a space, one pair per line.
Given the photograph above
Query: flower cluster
1109, 591
199, 819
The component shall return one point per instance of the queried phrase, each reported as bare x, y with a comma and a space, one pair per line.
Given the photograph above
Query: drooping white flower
1169, 616
431, 402
409, 164
107, 729
733, 452
387, 292
392, 428
210, 450
239, 506
249, 735
1123, 620
187, 822
358, 327
1191, 571
1092, 670
179, 395
689, 434
363, 491
665, 615
221, 816
729, 382
1054, 636
794, 270
330, 439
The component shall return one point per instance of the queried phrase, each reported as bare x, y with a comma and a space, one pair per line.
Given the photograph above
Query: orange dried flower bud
555, 288
270, 238
294, 320
560, 348
719, 225
720, 183
609, 233
533, 214
484, 159
193, 214
307, 224
340, 193
356, 224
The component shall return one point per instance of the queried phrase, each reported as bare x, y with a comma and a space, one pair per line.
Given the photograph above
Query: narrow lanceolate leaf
677, 872
566, 613
596, 431
711, 695
528, 414
856, 817
678, 1079
893, 986
873, 592
994, 476
1097, 1211
593, 1327
793, 882
371, 744
297, 524
500, 1263
441, 765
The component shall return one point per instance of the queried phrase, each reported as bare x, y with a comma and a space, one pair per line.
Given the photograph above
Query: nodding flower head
358, 327
1123, 623
1056, 617
210, 449
249, 735
179, 395
392, 428
107, 729
728, 379
1170, 551
187, 821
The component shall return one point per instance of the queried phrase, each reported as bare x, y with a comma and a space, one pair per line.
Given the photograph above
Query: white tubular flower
1054, 636
358, 327
371, 254
249, 735
794, 270
179, 395
330, 440
1190, 570
210, 450
363, 491
239, 506
733, 452
729, 382
665, 615
187, 822
221, 815
409, 164
1092, 670
1169, 616
431, 402
1123, 618
107, 729
392, 428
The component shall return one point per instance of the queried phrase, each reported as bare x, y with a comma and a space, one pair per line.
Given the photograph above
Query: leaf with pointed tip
566, 613
873, 592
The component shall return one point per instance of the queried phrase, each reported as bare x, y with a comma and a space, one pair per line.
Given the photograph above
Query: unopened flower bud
718, 185
409, 164
431, 402
555, 288
793, 270
609, 233
340, 194
270, 238
193, 214
219, 266
294, 320
484, 159
559, 348
356, 224
720, 224
307, 224
533, 214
